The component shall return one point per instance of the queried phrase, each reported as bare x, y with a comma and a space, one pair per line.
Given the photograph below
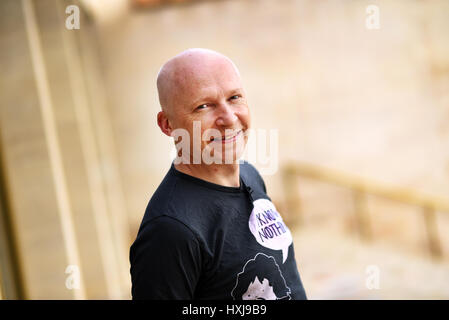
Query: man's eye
234, 97
202, 106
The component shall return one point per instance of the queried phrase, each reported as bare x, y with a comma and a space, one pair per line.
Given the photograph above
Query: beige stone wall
62, 188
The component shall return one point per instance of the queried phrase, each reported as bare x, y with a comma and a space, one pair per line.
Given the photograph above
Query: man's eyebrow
200, 101
206, 98
236, 90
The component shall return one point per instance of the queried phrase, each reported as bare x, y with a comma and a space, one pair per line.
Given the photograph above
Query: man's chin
231, 154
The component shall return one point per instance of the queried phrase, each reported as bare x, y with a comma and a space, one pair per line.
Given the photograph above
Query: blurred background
358, 92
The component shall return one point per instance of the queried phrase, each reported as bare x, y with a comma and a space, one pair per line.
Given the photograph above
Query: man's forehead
193, 73
201, 80
208, 81
203, 72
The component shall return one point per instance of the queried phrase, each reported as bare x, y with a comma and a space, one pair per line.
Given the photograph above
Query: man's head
204, 86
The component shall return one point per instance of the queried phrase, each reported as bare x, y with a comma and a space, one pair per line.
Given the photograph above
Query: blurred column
97, 143
10, 281
59, 157
35, 185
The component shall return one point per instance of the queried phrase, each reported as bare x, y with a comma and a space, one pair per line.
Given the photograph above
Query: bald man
210, 231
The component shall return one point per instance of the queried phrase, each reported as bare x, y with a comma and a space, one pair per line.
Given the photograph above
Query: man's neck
223, 174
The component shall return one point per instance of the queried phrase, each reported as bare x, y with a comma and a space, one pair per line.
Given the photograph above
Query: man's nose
226, 115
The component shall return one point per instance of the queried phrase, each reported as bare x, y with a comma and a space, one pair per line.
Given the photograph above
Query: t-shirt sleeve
165, 261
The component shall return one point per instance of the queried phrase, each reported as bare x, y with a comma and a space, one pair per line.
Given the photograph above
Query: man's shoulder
250, 169
166, 226
176, 198
163, 195
251, 175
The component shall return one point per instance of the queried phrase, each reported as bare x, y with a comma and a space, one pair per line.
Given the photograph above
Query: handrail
399, 194
360, 187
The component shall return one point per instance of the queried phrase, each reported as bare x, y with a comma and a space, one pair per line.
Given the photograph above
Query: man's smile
227, 139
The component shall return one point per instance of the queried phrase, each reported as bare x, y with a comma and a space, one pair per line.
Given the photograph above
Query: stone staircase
334, 265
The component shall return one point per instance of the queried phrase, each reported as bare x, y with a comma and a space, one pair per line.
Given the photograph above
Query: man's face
211, 96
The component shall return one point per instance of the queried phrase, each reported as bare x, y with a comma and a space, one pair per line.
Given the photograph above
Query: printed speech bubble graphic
267, 226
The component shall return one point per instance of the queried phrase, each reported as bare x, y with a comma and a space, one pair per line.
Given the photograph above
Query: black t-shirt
200, 240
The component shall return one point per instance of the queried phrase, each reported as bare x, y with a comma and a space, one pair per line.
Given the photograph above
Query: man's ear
163, 123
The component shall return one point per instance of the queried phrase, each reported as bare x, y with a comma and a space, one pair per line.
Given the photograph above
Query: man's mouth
227, 139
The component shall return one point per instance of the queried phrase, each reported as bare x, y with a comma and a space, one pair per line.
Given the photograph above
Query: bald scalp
174, 76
